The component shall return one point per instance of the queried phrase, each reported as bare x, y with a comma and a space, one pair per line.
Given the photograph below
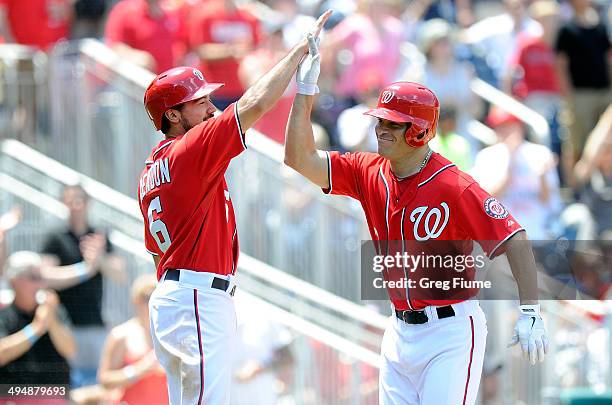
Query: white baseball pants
435, 363
193, 327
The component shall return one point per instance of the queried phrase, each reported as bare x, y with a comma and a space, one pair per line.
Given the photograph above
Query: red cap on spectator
498, 117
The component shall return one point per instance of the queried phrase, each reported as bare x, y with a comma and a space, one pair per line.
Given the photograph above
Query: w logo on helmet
386, 96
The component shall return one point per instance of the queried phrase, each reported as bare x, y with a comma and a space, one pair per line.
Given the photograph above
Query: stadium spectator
144, 33
363, 44
37, 23
495, 37
532, 74
84, 300
448, 78
253, 66
128, 366
35, 337
591, 217
294, 23
262, 352
454, 11
88, 16
583, 61
222, 34
521, 174
449, 144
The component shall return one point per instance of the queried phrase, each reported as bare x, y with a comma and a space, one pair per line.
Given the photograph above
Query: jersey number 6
157, 227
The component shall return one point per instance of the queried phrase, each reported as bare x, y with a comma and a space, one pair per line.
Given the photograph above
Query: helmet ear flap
416, 136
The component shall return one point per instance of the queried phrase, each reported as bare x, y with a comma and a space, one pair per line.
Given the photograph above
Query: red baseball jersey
441, 203
184, 199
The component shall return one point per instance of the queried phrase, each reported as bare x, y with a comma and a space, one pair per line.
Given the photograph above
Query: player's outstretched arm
529, 330
264, 94
300, 151
523, 266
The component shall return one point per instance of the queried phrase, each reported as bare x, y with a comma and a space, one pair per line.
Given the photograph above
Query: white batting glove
529, 331
308, 70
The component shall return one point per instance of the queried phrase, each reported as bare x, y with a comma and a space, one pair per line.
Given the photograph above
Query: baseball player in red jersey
433, 349
190, 227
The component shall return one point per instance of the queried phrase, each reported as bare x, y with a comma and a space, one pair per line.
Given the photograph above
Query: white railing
531, 118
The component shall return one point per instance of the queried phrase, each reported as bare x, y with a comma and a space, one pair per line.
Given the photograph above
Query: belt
420, 317
218, 283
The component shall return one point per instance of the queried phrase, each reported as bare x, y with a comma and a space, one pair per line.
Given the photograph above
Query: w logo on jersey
434, 223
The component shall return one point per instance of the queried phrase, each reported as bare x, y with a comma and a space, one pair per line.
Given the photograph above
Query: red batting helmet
413, 103
173, 87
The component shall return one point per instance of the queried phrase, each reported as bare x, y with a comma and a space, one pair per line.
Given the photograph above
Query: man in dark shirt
583, 61
84, 300
35, 338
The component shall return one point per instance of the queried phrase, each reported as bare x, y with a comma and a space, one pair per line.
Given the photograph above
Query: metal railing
531, 118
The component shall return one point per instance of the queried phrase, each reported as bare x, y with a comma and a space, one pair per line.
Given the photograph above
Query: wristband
32, 336
81, 271
533, 310
130, 372
307, 89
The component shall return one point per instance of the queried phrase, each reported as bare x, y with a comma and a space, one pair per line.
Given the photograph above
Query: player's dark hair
165, 124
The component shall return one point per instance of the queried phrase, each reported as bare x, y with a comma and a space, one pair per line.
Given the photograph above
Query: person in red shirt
222, 34
145, 33
38, 23
532, 72
190, 227
128, 367
416, 199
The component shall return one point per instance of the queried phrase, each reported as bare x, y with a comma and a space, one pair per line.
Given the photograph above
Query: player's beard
188, 125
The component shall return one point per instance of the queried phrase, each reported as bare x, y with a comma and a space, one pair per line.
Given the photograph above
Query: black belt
419, 317
218, 283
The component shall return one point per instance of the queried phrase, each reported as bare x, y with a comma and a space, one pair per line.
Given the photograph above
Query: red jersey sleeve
486, 220
343, 174
216, 141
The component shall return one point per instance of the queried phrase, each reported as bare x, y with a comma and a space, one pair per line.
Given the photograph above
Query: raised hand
309, 69
93, 249
315, 30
